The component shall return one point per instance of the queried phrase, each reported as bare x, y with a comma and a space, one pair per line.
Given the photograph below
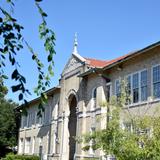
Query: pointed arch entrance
72, 125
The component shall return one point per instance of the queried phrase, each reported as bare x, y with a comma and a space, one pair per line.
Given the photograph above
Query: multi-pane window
128, 90
29, 120
136, 87
23, 121
156, 81
117, 88
135, 84
143, 83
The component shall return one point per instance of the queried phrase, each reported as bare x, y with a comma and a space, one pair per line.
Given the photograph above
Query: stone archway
72, 125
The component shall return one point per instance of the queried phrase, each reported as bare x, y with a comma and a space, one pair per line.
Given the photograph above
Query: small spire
75, 51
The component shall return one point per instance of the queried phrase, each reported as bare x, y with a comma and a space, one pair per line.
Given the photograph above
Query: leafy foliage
136, 141
13, 41
21, 157
9, 122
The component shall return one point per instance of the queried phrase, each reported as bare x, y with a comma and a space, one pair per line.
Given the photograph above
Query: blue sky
106, 29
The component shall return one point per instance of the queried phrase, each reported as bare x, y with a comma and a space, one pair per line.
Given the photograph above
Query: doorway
72, 125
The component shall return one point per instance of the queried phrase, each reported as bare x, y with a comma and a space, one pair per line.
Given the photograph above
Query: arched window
94, 98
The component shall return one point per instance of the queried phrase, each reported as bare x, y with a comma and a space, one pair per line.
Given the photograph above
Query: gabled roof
100, 64
95, 62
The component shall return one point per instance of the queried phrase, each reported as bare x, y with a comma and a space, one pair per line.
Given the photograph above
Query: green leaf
50, 57
15, 74
16, 88
20, 96
34, 56
44, 14
4, 76
23, 79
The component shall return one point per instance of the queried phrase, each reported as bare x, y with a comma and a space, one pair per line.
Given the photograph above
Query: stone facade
75, 106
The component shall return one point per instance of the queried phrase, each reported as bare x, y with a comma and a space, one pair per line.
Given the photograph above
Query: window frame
152, 87
110, 92
139, 92
94, 99
115, 89
143, 86
139, 89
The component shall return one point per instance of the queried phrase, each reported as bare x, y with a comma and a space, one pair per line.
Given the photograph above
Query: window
94, 98
108, 91
143, 83
136, 87
135, 82
128, 90
33, 118
117, 88
21, 145
127, 126
23, 121
33, 145
40, 119
37, 118
29, 120
156, 81
27, 145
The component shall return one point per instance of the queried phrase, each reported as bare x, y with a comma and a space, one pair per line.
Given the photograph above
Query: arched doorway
72, 125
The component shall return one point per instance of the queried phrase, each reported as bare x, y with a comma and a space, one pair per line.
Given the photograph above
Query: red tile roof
101, 63
96, 62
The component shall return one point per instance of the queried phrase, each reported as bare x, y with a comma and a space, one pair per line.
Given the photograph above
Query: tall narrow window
156, 81
33, 145
128, 90
21, 146
143, 84
27, 145
24, 121
117, 88
135, 82
33, 118
94, 98
108, 91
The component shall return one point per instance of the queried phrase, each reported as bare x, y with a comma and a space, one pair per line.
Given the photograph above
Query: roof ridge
95, 59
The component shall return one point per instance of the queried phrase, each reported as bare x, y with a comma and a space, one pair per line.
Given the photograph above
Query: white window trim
141, 86
154, 99
139, 89
131, 87
139, 83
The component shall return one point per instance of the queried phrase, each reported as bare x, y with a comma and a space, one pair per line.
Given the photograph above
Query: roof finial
75, 51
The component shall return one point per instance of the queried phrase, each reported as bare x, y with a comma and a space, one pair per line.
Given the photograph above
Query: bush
21, 157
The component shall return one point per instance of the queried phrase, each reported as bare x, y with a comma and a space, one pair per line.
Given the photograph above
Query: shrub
21, 157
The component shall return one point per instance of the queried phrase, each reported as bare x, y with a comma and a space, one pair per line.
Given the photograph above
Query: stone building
75, 104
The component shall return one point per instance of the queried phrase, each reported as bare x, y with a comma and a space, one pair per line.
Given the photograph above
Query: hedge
20, 157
